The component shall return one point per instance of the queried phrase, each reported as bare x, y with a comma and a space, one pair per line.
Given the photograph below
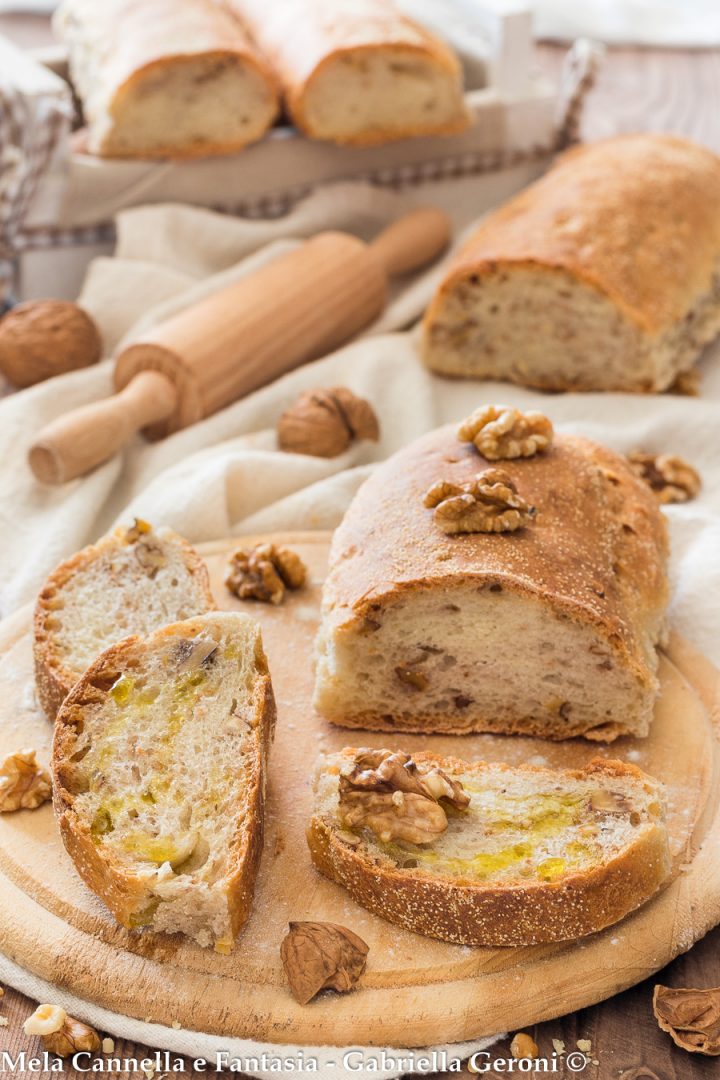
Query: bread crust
479, 914
53, 678
103, 873
115, 45
636, 218
302, 39
596, 552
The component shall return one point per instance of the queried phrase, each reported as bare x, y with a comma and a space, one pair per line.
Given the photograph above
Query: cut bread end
192, 106
538, 856
543, 327
159, 761
134, 580
366, 96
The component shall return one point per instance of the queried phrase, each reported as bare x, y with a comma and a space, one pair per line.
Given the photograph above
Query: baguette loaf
132, 581
537, 855
549, 630
603, 275
165, 78
159, 761
358, 72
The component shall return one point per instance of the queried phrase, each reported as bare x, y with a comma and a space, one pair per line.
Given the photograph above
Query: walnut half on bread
160, 757
602, 275
550, 629
531, 855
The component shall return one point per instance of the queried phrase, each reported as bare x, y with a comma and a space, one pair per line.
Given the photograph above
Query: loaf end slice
159, 763
134, 580
538, 855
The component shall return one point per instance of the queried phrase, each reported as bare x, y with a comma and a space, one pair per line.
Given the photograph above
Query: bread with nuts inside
159, 765
133, 580
517, 856
502, 593
602, 275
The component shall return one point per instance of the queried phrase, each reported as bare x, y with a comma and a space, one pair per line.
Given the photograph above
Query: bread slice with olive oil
132, 581
159, 763
537, 856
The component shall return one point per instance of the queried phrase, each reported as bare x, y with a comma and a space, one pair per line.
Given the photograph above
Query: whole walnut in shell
324, 423
43, 338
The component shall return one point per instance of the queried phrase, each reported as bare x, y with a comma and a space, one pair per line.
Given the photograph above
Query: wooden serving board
416, 991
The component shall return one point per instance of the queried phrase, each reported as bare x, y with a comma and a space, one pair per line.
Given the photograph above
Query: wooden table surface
637, 90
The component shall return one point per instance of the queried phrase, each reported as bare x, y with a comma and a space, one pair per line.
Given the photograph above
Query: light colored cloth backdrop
225, 475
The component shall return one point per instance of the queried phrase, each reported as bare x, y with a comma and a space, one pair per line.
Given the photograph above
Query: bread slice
165, 78
549, 630
134, 580
358, 74
159, 762
538, 855
571, 284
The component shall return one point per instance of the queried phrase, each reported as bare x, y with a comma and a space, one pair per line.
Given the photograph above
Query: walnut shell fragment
690, 1017
321, 956
324, 422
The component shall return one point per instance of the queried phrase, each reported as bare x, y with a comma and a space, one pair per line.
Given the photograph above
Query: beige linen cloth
225, 476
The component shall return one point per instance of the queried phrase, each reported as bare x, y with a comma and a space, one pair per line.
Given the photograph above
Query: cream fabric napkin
225, 475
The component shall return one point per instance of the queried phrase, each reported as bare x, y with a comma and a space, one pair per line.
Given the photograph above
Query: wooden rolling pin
297, 308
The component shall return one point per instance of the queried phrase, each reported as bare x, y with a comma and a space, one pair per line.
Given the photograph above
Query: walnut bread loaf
486, 854
359, 73
603, 275
480, 590
159, 762
165, 78
134, 580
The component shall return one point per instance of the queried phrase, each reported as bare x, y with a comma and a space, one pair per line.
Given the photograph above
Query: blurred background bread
603, 275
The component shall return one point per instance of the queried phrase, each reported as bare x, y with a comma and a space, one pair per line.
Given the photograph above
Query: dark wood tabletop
636, 90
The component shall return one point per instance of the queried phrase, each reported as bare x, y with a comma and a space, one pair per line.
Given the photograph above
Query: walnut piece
523, 1046
264, 573
44, 338
691, 1018
148, 550
323, 423
24, 785
490, 503
321, 956
60, 1033
671, 478
397, 799
499, 432
686, 384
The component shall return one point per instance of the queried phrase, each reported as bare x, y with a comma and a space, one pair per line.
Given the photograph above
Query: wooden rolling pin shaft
297, 308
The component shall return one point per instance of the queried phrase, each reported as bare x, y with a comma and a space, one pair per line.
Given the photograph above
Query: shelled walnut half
670, 478
60, 1033
264, 573
24, 785
489, 504
324, 422
499, 432
396, 798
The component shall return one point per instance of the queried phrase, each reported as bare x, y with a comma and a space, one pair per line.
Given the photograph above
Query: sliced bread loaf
549, 628
486, 854
159, 761
132, 581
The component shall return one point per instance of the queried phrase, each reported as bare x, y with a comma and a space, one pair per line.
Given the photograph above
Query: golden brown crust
53, 678
301, 39
595, 553
478, 914
123, 893
635, 217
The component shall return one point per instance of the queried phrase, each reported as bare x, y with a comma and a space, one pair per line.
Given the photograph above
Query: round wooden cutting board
416, 991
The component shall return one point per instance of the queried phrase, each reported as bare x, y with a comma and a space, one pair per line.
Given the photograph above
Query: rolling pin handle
83, 439
413, 241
